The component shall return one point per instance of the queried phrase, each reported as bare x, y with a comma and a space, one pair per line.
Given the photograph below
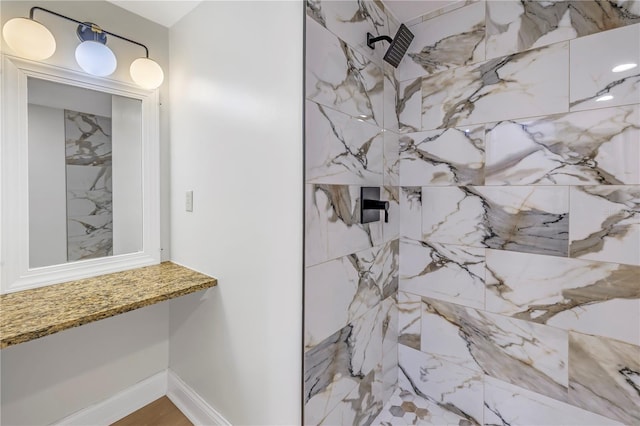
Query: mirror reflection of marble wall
85, 187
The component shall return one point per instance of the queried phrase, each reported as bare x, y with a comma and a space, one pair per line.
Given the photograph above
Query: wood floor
160, 412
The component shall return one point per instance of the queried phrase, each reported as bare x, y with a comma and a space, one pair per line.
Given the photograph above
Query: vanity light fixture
32, 40
623, 67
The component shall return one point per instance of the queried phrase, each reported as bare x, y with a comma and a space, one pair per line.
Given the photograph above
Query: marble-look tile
443, 157
409, 106
348, 361
342, 290
341, 149
444, 42
409, 323
341, 78
442, 271
333, 227
411, 212
593, 58
515, 26
530, 355
513, 86
589, 147
453, 388
527, 219
440, 11
605, 223
391, 158
391, 229
389, 310
570, 294
404, 408
506, 404
604, 377
350, 21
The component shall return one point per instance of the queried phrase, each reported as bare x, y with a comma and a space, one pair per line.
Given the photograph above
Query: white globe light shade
96, 58
29, 39
146, 73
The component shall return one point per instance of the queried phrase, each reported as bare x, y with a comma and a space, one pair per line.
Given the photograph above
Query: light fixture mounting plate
88, 31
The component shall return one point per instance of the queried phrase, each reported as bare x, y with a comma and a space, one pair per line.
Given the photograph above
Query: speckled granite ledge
30, 314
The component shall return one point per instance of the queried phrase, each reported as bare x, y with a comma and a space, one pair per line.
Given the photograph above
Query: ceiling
168, 12
406, 10
163, 12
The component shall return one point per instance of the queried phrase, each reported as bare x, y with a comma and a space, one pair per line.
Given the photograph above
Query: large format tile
409, 106
566, 293
604, 377
346, 362
341, 78
530, 355
514, 26
409, 323
593, 58
391, 228
351, 20
443, 271
443, 157
333, 227
411, 212
453, 388
527, 219
448, 41
605, 223
341, 149
391, 159
520, 85
506, 404
342, 290
589, 147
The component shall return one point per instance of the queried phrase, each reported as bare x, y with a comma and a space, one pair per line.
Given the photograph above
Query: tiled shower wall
351, 269
519, 168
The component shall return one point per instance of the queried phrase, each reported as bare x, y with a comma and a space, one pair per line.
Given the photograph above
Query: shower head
399, 44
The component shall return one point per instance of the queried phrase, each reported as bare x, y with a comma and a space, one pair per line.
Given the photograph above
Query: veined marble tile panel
405, 408
389, 310
530, 355
409, 322
342, 290
452, 156
411, 212
506, 404
593, 58
527, 219
350, 21
333, 227
340, 365
409, 106
513, 86
604, 377
341, 78
341, 149
442, 271
570, 294
590, 147
453, 388
448, 41
391, 158
391, 229
514, 26
605, 223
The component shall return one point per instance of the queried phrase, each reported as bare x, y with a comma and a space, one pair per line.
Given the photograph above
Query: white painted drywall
236, 141
48, 379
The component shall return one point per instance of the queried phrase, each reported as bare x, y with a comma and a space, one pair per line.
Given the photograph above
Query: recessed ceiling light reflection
623, 67
604, 98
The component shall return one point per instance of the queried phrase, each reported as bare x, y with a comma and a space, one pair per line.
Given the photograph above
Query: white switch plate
189, 201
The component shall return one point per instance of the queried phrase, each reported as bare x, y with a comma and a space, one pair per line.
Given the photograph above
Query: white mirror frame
15, 274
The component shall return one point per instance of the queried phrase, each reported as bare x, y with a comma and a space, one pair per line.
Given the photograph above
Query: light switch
189, 201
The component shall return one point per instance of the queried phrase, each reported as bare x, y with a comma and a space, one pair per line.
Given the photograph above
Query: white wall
236, 141
45, 380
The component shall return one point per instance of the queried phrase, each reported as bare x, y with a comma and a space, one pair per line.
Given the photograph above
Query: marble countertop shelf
31, 314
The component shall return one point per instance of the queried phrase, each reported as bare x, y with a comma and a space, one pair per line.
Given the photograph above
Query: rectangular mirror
80, 164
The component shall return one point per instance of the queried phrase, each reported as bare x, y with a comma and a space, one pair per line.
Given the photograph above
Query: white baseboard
197, 410
121, 404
